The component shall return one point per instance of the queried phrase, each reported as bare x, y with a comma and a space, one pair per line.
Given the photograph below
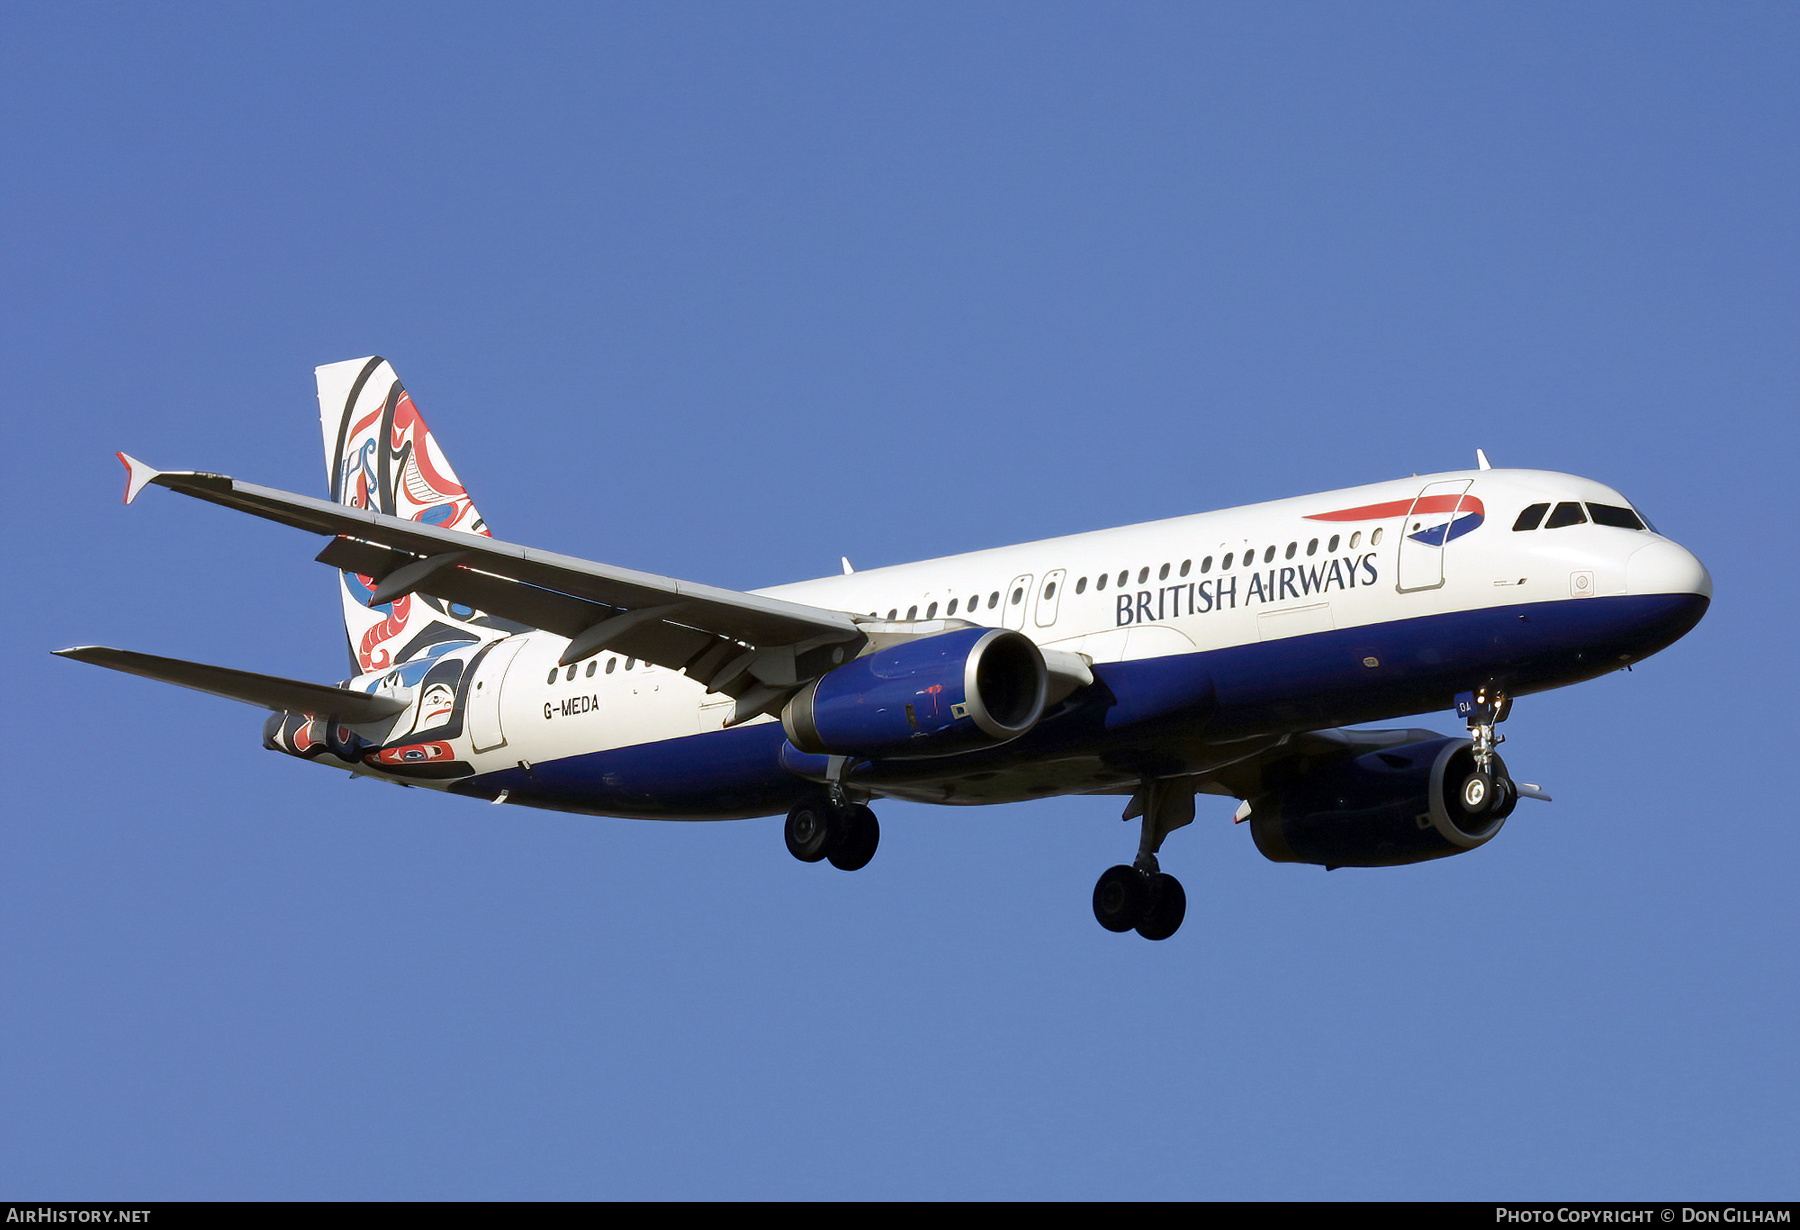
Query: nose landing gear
1484, 709
1488, 793
1142, 897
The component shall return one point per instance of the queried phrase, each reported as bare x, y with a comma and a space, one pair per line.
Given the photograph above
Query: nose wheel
1143, 897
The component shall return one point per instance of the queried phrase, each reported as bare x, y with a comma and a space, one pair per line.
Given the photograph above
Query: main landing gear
1142, 897
844, 832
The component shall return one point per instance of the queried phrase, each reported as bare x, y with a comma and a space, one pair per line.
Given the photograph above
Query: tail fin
379, 454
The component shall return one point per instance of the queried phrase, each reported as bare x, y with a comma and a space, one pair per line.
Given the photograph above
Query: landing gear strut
1142, 897
1484, 709
1488, 791
845, 833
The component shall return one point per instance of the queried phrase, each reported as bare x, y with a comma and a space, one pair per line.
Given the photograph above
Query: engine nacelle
953, 692
1384, 808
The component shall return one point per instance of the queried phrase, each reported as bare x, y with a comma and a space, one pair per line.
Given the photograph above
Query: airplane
1223, 653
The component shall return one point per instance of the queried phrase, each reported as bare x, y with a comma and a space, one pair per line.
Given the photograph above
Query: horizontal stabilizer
266, 691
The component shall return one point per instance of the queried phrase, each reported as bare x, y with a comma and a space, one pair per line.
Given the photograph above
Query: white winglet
136, 475
1529, 791
1242, 813
847, 568
1481, 460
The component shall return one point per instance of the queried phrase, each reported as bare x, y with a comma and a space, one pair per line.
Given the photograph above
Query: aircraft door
485, 733
1014, 601
1049, 594
1425, 531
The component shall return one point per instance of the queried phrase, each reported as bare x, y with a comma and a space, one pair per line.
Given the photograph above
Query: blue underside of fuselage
1157, 713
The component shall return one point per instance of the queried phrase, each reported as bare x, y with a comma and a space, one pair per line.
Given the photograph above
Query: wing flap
265, 691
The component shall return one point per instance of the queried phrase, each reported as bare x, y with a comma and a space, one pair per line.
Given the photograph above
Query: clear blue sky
727, 291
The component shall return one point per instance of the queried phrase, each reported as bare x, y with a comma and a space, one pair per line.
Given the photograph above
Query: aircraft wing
754, 648
266, 691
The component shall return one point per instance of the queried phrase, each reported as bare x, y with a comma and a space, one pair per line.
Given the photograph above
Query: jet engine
1385, 808
932, 696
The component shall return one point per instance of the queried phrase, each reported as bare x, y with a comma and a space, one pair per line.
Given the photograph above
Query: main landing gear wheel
1168, 906
1142, 897
819, 830
857, 846
1150, 903
809, 831
1120, 898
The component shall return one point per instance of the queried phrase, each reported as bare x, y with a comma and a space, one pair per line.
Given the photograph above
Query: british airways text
1224, 593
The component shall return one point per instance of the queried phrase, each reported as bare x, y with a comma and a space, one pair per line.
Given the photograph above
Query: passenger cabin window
1566, 513
1269, 556
1312, 548
1185, 565
951, 609
993, 600
1612, 514
912, 612
552, 678
1224, 564
1374, 539
1081, 586
893, 613
1100, 581
1143, 575
1289, 553
1206, 564
1162, 573
610, 663
1332, 545
1125, 576
1018, 595
1531, 517
931, 611
593, 665
1355, 539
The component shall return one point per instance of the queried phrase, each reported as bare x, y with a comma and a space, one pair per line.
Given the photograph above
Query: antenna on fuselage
1481, 461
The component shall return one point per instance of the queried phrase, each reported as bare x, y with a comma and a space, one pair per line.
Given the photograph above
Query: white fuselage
1259, 573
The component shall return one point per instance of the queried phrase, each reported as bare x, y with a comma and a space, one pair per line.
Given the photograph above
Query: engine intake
1385, 808
953, 692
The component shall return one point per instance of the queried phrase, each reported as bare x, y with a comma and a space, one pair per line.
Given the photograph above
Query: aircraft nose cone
1666, 568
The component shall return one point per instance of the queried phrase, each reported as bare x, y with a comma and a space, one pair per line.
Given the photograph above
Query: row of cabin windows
993, 600
1143, 576
1247, 560
593, 665
1569, 513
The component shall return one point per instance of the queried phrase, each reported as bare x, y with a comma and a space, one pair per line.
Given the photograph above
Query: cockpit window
1612, 514
1528, 520
1566, 513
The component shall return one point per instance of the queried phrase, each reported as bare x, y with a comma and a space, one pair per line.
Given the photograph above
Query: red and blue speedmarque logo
1466, 513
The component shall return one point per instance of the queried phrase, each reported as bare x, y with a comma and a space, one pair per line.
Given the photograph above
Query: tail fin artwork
379, 454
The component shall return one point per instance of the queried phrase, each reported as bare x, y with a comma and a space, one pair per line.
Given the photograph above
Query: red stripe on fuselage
1400, 508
